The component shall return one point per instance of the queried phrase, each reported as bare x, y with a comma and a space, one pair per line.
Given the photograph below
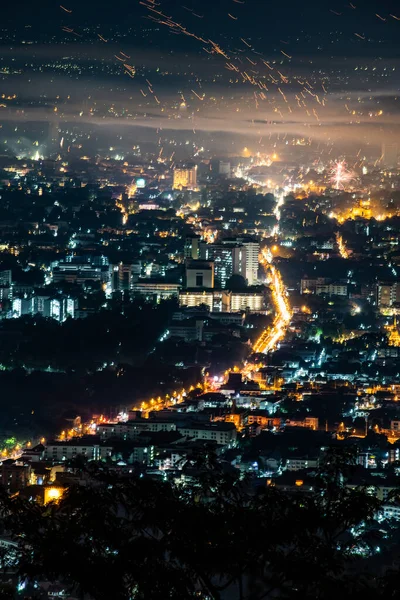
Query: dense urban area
199, 312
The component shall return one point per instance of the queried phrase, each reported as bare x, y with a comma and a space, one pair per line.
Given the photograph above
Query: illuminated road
271, 336
15, 455
169, 400
265, 343
277, 212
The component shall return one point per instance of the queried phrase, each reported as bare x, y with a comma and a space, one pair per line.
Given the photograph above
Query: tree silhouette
209, 535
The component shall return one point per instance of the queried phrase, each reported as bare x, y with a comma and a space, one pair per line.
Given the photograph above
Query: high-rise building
124, 275
252, 251
62, 308
199, 274
21, 307
228, 261
192, 248
252, 248
71, 307
185, 177
6, 278
41, 305
390, 154
5, 293
5, 285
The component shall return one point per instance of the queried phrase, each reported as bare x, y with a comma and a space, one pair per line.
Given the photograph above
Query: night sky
348, 52
254, 17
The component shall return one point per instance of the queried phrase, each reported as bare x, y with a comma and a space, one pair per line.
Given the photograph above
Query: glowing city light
270, 337
344, 253
52, 494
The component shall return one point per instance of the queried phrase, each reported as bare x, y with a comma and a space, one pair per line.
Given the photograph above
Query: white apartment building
301, 462
240, 301
221, 433
92, 450
331, 289
132, 429
252, 253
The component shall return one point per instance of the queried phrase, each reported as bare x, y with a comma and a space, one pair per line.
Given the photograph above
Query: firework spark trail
128, 69
212, 47
197, 95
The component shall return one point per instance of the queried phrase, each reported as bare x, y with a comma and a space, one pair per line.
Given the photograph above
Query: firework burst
340, 175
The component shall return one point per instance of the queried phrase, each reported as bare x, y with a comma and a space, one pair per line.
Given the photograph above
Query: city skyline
199, 300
